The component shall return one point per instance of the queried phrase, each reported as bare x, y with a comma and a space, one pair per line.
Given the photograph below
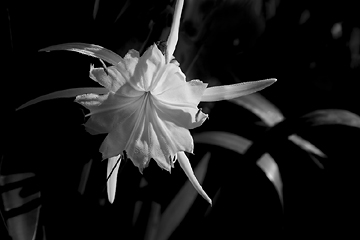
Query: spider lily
146, 106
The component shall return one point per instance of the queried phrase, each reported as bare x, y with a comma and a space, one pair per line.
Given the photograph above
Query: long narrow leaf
84, 177
261, 107
223, 139
96, 8
240, 145
332, 116
271, 169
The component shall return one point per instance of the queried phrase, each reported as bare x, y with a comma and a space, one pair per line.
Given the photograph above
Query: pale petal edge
72, 92
112, 168
227, 92
185, 165
88, 49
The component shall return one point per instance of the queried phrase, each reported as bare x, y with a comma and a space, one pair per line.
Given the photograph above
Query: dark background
232, 41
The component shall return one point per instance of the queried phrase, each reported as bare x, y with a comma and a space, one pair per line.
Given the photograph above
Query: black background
314, 71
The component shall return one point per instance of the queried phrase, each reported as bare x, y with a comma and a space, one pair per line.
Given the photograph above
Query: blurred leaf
288, 127
307, 146
214, 199
123, 9
223, 139
261, 107
21, 207
154, 217
137, 208
271, 169
332, 116
84, 177
96, 8
240, 145
285, 130
181, 204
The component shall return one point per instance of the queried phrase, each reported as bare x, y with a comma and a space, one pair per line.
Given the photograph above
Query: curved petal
121, 116
111, 81
112, 168
185, 165
172, 137
169, 76
157, 138
235, 90
94, 128
91, 100
131, 60
88, 49
178, 99
147, 68
72, 92
171, 87
174, 32
185, 116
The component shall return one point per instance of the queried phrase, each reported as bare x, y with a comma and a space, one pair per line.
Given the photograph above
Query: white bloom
146, 106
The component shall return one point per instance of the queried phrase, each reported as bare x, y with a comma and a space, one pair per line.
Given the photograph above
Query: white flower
146, 106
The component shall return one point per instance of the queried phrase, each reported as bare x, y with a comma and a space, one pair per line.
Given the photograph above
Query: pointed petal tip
112, 172
271, 80
111, 198
206, 197
185, 165
227, 92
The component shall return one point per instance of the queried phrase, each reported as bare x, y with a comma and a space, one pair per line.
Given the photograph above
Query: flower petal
111, 81
111, 182
147, 68
88, 49
188, 117
91, 100
144, 132
185, 165
72, 92
171, 138
178, 99
226, 92
120, 115
157, 138
174, 32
